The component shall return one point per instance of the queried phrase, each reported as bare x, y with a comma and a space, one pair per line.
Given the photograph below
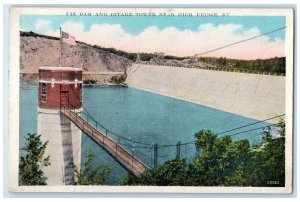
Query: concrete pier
64, 146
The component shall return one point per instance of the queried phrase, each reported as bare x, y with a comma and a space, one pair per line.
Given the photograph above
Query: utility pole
178, 150
155, 155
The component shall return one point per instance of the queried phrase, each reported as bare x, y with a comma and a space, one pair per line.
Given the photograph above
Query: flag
67, 38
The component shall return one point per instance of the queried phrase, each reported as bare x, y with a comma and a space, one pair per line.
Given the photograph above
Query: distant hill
39, 50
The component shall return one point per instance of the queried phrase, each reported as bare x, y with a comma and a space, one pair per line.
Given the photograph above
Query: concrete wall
251, 95
64, 146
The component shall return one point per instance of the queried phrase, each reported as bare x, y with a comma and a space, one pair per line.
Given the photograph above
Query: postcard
151, 100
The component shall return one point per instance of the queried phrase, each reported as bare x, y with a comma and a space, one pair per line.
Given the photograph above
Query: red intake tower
60, 87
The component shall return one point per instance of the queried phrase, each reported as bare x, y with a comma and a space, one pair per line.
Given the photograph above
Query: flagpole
60, 43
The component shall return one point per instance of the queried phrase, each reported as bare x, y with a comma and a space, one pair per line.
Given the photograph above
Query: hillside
38, 50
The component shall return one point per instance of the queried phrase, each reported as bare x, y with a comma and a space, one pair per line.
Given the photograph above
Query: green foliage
30, 167
146, 56
129, 179
28, 34
271, 65
223, 162
89, 81
222, 61
173, 173
171, 57
130, 56
118, 79
91, 175
268, 159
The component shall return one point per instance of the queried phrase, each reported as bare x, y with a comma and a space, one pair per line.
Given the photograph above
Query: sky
179, 36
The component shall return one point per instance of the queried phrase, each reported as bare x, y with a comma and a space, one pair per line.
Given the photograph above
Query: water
144, 117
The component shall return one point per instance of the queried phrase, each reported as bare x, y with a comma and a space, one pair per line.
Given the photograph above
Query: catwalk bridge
125, 158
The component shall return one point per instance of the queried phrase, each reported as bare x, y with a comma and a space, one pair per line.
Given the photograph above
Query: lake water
144, 117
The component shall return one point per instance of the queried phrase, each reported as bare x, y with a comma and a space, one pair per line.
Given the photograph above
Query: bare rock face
40, 51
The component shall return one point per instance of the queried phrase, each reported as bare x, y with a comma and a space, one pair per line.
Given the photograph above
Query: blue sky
136, 24
135, 29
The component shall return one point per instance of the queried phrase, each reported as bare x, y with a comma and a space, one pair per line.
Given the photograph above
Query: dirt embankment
39, 51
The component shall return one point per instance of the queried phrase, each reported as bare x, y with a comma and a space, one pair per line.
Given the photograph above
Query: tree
172, 173
91, 175
267, 166
223, 162
30, 167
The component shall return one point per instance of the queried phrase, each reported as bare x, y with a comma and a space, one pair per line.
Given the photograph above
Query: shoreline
84, 85
89, 78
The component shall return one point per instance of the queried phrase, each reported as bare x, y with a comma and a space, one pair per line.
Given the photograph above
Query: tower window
44, 92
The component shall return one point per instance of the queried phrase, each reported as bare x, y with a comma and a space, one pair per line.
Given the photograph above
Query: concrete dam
252, 95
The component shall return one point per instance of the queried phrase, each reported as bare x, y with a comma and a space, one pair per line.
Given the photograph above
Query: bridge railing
92, 127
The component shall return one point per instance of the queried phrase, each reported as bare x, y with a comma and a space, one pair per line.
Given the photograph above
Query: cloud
173, 41
42, 26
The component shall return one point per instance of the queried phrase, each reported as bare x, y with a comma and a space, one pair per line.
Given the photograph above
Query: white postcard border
14, 55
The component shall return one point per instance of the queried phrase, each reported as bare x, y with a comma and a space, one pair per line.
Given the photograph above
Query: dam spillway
252, 95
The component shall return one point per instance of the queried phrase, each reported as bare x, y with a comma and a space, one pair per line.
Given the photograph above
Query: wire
109, 131
194, 141
113, 133
254, 129
134, 146
130, 140
249, 124
166, 145
167, 155
248, 39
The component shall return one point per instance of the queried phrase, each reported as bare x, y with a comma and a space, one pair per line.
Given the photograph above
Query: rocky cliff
38, 50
